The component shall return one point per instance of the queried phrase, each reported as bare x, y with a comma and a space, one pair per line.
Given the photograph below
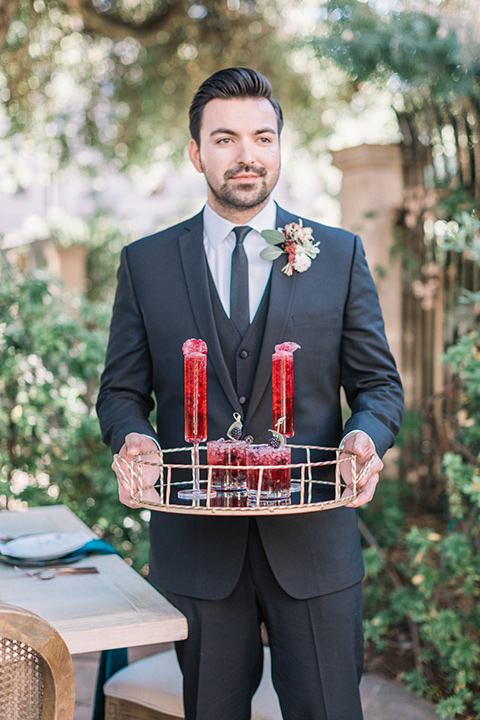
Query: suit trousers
316, 647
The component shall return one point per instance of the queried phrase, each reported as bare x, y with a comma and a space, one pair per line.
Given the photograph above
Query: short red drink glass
225, 456
275, 481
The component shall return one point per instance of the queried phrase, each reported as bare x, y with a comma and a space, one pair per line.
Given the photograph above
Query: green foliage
53, 347
465, 237
438, 594
118, 77
443, 602
419, 54
437, 565
464, 360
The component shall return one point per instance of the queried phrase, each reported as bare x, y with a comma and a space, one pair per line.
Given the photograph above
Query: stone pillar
68, 264
370, 198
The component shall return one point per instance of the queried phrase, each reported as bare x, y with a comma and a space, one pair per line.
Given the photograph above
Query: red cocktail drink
195, 375
275, 481
228, 454
195, 406
282, 389
282, 393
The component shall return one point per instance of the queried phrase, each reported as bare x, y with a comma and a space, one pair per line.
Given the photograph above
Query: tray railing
161, 495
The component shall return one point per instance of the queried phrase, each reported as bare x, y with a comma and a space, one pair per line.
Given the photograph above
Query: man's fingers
368, 469
359, 443
127, 482
135, 444
364, 494
365, 468
135, 477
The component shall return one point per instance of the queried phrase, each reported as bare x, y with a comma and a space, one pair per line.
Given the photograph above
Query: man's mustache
242, 169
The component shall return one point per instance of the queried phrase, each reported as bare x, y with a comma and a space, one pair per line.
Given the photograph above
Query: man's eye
265, 139
224, 141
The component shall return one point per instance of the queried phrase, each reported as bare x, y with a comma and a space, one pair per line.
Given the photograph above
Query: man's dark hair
234, 82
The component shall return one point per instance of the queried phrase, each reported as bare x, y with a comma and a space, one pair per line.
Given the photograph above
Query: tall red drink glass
195, 384
282, 389
195, 406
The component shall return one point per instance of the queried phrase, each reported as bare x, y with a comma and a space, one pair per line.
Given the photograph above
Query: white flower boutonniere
296, 241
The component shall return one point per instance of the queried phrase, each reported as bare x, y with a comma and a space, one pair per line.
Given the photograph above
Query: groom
204, 278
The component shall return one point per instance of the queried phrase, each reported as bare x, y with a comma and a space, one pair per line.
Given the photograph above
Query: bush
53, 348
423, 586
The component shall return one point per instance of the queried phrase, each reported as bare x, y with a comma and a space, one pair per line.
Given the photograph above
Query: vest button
242, 399
244, 354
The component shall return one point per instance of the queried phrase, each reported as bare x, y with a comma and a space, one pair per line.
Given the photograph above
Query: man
299, 574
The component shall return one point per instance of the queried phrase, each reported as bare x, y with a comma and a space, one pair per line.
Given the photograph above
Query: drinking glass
283, 392
195, 408
225, 456
275, 480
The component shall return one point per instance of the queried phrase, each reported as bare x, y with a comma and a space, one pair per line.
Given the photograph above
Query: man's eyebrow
266, 129
222, 131
226, 131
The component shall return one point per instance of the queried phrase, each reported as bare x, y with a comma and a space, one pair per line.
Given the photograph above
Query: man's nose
246, 154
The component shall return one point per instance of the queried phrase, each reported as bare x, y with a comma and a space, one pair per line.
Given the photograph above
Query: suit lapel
281, 296
195, 268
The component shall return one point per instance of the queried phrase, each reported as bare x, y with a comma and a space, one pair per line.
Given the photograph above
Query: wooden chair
151, 689
36, 669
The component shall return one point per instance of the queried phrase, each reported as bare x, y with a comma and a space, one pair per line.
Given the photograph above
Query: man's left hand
362, 446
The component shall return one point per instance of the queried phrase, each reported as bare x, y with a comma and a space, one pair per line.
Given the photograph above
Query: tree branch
113, 26
8, 10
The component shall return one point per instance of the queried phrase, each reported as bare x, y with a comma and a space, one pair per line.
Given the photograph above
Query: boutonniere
294, 240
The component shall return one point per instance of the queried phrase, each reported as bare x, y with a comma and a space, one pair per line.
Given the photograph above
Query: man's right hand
136, 444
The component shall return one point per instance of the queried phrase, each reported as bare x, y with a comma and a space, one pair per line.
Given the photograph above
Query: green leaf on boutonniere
271, 253
273, 237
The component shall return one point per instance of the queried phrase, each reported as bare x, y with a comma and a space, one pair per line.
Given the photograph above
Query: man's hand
134, 445
362, 446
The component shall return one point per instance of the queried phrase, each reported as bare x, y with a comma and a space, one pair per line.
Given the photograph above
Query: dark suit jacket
332, 312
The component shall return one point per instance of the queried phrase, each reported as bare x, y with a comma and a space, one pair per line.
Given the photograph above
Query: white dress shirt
219, 241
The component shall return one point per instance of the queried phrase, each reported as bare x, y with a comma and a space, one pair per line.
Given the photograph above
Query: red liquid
282, 393
275, 480
195, 376
229, 454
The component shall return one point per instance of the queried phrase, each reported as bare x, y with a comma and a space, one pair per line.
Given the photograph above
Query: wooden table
112, 609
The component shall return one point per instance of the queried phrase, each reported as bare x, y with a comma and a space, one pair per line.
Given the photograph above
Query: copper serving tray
309, 494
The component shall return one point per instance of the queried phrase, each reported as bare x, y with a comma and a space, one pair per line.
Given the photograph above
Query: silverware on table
49, 574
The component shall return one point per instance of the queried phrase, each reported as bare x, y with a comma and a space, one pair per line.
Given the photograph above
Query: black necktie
239, 303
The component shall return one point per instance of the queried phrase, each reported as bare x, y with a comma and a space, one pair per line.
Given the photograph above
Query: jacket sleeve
368, 372
125, 398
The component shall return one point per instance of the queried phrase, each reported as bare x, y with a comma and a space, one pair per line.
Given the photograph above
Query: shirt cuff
342, 443
155, 439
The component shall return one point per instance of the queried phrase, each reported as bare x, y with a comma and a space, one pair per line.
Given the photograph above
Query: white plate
45, 546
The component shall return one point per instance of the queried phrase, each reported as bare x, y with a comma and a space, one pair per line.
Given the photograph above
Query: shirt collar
216, 228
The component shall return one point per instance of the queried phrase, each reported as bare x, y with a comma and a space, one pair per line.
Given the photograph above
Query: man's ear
194, 155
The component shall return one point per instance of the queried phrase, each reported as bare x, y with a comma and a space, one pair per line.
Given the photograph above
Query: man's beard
228, 195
